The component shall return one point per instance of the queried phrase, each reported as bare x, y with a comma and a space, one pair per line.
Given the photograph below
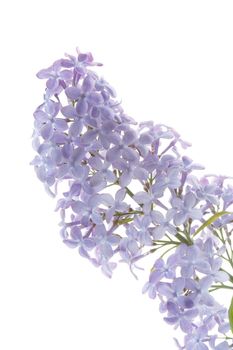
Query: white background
170, 61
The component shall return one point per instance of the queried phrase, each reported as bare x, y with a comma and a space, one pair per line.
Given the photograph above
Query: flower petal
189, 200
88, 84
69, 111
82, 107
94, 98
60, 124
112, 154
73, 92
46, 131
142, 197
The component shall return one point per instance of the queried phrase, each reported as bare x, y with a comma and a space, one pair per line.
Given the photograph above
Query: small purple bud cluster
126, 191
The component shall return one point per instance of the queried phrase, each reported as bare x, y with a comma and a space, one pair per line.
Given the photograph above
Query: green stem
227, 252
184, 240
130, 193
230, 276
129, 213
222, 286
226, 338
168, 237
166, 242
168, 250
113, 184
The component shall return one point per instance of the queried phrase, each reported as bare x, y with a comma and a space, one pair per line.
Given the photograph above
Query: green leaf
230, 315
210, 221
124, 221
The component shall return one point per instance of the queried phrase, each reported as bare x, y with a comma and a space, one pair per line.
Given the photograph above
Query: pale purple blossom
126, 190
184, 209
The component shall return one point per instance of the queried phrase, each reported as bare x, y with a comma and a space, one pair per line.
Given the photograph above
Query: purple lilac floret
125, 191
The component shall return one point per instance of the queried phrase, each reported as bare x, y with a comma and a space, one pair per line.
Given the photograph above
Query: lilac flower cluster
183, 285
126, 191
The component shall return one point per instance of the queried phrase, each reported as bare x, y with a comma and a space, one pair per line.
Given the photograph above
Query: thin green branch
216, 287
129, 213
